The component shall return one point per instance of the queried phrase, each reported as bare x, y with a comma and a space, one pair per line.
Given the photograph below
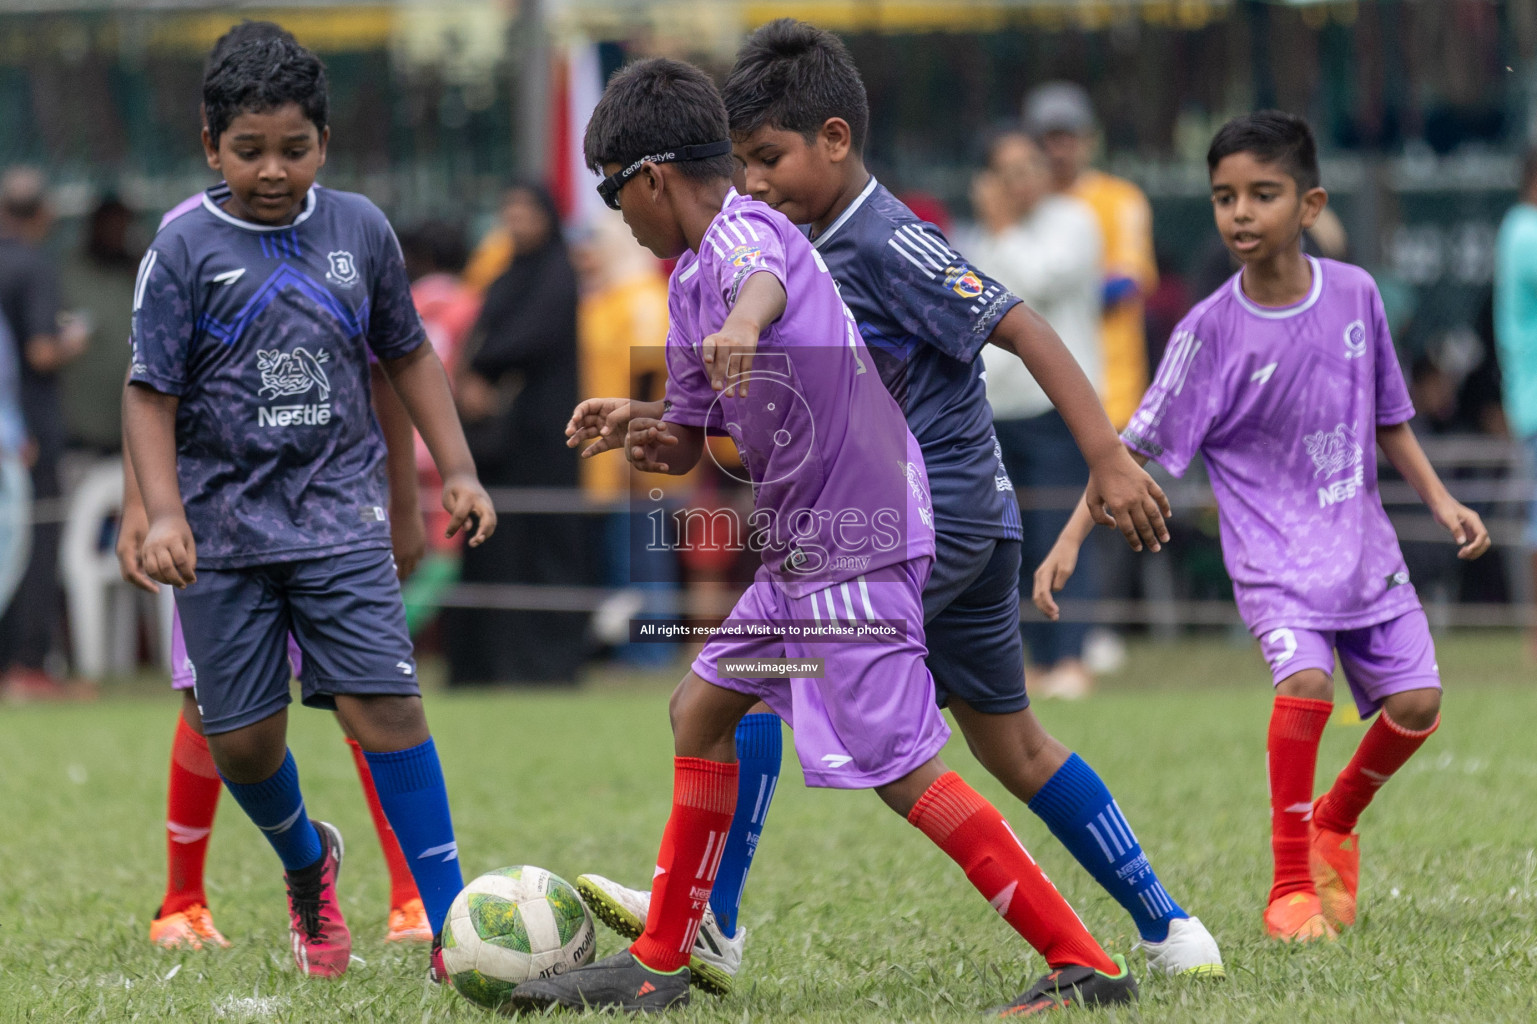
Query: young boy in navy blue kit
798, 120
260, 463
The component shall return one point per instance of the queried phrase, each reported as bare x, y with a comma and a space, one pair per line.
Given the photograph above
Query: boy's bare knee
1415, 710
1309, 684
383, 723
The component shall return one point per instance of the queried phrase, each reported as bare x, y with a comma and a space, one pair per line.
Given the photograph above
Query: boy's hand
1052, 575
170, 553
408, 539
601, 420
645, 441
467, 501
729, 353
1465, 526
133, 524
1122, 495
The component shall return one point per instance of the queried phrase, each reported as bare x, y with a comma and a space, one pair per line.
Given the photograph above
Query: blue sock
758, 749
1080, 812
411, 791
277, 807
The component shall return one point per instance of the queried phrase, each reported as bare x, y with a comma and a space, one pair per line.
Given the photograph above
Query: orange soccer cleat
191, 928
408, 923
1298, 917
1334, 859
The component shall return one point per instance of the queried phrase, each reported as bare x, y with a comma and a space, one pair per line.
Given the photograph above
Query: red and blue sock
1081, 813
759, 749
277, 807
415, 800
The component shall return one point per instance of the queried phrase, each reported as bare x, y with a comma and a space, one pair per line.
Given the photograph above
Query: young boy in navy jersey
798, 120
184, 919
1285, 380
259, 461
828, 455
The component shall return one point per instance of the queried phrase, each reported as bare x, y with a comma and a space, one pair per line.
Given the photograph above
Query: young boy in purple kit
1286, 381
842, 510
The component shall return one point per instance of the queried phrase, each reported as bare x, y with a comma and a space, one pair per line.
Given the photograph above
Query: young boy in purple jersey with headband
1286, 381
183, 919
799, 117
842, 513
247, 420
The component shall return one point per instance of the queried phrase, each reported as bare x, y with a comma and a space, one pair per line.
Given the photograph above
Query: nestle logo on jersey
1334, 451
287, 375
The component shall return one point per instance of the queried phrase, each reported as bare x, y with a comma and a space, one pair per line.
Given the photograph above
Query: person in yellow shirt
1060, 116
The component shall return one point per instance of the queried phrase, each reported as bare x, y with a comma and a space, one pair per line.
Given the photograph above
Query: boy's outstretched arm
132, 525
1120, 492
408, 534
418, 378
169, 552
657, 446
1403, 450
729, 352
1058, 565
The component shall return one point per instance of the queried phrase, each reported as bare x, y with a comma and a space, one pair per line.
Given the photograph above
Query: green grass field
853, 915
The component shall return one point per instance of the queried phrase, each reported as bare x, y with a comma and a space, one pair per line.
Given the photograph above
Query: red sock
703, 801
191, 801
1296, 723
402, 885
974, 834
1383, 750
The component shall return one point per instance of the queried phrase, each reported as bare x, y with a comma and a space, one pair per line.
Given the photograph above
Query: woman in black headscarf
516, 388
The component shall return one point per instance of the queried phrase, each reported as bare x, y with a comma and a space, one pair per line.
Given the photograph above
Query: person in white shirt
1046, 247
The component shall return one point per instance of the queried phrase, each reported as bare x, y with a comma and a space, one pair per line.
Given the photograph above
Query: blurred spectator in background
29, 300
1515, 328
1045, 247
98, 281
622, 327
15, 482
435, 253
1061, 118
516, 386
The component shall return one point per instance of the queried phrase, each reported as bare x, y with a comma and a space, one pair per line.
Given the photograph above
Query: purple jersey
1284, 404
839, 486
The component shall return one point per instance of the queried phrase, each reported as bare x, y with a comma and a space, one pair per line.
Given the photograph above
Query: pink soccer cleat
322, 945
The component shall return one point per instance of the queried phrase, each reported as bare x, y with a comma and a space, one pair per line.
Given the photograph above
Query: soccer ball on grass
510, 925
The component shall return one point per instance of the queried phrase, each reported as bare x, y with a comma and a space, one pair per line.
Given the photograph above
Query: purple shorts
871, 718
1379, 660
182, 675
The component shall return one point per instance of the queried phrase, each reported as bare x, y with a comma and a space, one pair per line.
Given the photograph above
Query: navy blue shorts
971, 613
344, 610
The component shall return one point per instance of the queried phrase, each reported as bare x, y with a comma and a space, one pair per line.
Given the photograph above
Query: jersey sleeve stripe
908, 257
746, 223
919, 252
728, 223
944, 252
146, 267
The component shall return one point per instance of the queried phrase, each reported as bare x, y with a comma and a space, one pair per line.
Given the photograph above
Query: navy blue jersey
925, 314
264, 335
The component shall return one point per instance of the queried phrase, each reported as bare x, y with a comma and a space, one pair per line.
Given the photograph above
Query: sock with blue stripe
759, 745
277, 807
1080, 812
411, 791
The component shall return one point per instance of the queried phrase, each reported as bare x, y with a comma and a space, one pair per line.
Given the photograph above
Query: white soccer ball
510, 925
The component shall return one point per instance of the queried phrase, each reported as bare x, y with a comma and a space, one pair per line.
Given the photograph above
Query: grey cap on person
1059, 107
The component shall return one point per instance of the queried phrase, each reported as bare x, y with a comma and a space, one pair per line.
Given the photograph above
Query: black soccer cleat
1073, 986
619, 982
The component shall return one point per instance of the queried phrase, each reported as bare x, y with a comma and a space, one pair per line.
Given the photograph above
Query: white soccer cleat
715, 958
1189, 952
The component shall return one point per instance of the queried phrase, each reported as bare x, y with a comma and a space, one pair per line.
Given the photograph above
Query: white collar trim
304, 214
1284, 312
859, 201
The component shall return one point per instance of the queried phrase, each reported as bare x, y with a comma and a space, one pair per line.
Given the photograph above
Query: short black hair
245, 32
652, 106
1273, 136
793, 76
261, 74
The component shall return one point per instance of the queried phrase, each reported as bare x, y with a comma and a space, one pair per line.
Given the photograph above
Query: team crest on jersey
963, 281
1355, 340
745, 255
343, 268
